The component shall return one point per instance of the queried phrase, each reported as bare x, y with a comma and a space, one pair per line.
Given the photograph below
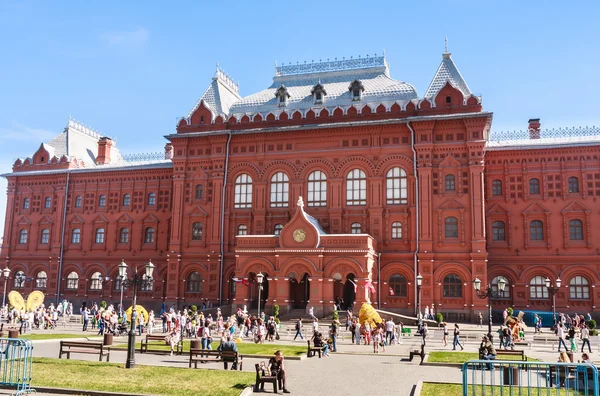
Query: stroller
121, 329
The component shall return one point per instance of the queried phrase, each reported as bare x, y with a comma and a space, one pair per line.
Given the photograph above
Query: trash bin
108, 339
511, 375
13, 333
195, 344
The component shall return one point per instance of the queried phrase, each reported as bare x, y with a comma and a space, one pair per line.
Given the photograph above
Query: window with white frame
48, 203
41, 279
149, 235
576, 230
356, 188
396, 186
277, 229
126, 200
76, 235
194, 284
317, 189
26, 203
450, 183
579, 288
96, 281
99, 235
45, 238
124, 235
19, 280
78, 201
396, 230
23, 237
197, 231
355, 228
242, 229
280, 188
537, 288
243, 192
151, 199
102, 201
72, 281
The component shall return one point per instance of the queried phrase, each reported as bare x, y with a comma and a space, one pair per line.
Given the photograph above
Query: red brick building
335, 181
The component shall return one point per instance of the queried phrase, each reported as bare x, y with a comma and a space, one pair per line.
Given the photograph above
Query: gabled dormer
356, 89
282, 95
318, 93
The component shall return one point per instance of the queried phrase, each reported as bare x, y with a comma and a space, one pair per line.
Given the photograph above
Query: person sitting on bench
277, 369
486, 350
228, 346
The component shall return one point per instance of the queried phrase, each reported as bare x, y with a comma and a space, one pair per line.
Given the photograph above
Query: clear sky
130, 69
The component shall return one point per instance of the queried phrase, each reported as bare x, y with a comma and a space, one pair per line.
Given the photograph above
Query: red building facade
335, 181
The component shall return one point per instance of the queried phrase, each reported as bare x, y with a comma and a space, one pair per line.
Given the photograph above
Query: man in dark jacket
228, 345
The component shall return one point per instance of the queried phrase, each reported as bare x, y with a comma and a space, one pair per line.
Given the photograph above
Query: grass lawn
51, 336
244, 348
431, 389
461, 357
113, 377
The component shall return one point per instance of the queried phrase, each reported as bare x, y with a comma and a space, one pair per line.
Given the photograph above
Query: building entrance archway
264, 293
299, 291
350, 287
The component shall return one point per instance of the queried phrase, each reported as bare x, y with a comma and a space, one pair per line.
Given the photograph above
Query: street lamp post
419, 317
135, 281
6, 273
489, 293
553, 290
259, 280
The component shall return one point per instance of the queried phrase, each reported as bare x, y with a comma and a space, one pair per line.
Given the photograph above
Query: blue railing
16, 364
514, 378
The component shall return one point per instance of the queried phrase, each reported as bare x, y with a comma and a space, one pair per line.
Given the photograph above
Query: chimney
104, 145
168, 151
534, 128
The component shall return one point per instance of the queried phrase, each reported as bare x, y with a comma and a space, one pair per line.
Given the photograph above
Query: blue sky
130, 69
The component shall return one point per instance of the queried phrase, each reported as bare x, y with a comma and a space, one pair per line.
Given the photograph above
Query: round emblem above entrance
299, 235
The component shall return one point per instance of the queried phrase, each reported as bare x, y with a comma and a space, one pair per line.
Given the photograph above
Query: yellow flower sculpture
368, 314
140, 311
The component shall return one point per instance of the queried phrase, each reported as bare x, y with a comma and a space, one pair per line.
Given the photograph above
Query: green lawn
244, 348
437, 389
461, 357
113, 377
52, 336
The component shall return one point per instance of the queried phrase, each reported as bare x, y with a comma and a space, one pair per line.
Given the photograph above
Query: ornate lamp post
419, 317
6, 273
135, 281
259, 280
553, 290
489, 293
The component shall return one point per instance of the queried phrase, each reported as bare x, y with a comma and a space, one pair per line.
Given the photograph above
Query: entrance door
350, 291
300, 292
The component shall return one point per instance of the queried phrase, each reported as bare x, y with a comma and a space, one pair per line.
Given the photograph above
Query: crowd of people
43, 317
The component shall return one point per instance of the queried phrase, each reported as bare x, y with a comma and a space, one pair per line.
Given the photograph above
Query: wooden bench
144, 343
94, 348
207, 355
416, 352
312, 350
262, 378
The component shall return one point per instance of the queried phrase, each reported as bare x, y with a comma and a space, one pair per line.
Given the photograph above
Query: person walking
357, 332
445, 330
424, 331
311, 313
585, 338
334, 334
480, 320
389, 331
560, 332
299, 329
85, 315
456, 340
571, 333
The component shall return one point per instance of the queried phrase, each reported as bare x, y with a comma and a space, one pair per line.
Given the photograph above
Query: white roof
447, 72
220, 95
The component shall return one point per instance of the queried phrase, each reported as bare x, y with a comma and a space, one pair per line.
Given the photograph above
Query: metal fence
512, 378
16, 364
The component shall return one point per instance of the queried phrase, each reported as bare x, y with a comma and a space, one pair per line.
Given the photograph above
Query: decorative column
316, 294
327, 295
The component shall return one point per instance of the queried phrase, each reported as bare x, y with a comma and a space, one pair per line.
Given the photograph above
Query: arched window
45, 237
396, 186
100, 235
73, 281
126, 200
573, 184
19, 280
243, 192
26, 203
194, 283
124, 235
96, 281
146, 286
534, 186
149, 235
498, 231
151, 199
48, 203
23, 237
397, 286
579, 288
199, 191
537, 287
78, 201
576, 230
355, 228
277, 229
117, 283
41, 280
317, 189
450, 184
356, 188
536, 230
506, 293
280, 188
102, 201
451, 227
453, 286
197, 231
497, 187
396, 230
76, 235
242, 229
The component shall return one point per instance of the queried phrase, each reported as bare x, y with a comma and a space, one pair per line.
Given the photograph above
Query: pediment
24, 221
575, 207
449, 162
535, 208
150, 218
100, 219
451, 204
497, 209
76, 220
125, 219
302, 231
198, 212
45, 220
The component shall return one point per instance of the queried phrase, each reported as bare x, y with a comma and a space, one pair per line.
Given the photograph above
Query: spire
447, 72
446, 42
